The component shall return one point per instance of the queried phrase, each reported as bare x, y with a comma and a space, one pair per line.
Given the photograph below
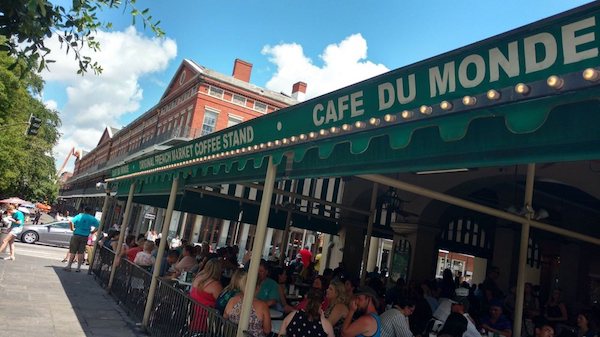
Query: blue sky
328, 44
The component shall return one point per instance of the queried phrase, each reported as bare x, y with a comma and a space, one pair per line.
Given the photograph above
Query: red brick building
197, 101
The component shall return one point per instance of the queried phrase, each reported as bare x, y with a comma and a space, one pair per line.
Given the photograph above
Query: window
214, 91
182, 77
234, 120
210, 121
262, 107
239, 99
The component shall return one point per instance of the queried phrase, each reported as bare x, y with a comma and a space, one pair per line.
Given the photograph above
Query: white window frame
260, 103
214, 91
236, 118
212, 111
242, 100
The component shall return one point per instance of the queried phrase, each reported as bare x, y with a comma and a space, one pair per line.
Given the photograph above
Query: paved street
38, 298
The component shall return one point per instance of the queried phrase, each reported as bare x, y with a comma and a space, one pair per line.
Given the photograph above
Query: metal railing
103, 264
174, 312
177, 314
130, 286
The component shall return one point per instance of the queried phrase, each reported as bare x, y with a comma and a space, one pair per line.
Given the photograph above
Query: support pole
100, 228
234, 238
477, 207
285, 239
363, 274
259, 240
520, 295
123, 229
160, 252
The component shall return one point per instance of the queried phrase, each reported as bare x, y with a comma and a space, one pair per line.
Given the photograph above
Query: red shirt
306, 257
132, 252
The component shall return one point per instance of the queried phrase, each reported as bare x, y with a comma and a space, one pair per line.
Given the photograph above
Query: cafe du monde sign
562, 44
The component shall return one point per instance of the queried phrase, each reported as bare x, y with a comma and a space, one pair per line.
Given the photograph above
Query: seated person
187, 262
268, 289
145, 258
167, 269
496, 322
132, 252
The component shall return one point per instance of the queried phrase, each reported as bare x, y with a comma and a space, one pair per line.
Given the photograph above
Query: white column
520, 294
267, 244
197, 227
363, 273
324, 253
224, 231
259, 238
159, 254
373, 254
122, 234
100, 227
243, 240
183, 224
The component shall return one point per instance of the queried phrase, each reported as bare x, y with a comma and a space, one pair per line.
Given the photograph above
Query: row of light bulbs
554, 82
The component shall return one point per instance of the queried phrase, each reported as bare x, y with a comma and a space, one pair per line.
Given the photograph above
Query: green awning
220, 207
526, 96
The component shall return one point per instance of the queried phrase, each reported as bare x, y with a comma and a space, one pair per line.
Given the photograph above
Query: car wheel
29, 237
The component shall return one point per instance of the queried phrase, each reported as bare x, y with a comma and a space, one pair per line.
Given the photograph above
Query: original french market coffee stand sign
556, 54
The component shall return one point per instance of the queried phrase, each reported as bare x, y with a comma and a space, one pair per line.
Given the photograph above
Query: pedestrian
81, 225
37, 216
89, 247
17, 221
368, 323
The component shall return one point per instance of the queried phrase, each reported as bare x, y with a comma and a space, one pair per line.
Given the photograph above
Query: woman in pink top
205, 290
187, 261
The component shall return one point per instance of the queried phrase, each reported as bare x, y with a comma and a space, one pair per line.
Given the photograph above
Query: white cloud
343, 64
51, 104
94, 102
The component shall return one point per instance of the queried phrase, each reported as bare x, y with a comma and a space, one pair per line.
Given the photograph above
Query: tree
26, 24
26, 163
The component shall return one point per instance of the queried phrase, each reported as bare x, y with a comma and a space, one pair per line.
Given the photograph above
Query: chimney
299, 91
242, 70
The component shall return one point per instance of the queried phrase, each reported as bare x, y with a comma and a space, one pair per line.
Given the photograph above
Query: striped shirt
394, 324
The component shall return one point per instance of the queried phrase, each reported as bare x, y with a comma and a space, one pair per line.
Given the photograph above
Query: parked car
56, 233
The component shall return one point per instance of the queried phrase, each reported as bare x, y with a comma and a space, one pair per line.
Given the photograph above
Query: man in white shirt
394, 322
460, 305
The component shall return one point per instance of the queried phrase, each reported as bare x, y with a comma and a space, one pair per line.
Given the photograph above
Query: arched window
468, 235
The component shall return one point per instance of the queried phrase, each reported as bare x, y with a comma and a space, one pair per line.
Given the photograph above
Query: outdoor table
275, 314
187, 286
293, 298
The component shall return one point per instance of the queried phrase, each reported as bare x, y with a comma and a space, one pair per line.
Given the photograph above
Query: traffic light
34, 125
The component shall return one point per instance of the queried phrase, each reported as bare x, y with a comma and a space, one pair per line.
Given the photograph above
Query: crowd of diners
334, 304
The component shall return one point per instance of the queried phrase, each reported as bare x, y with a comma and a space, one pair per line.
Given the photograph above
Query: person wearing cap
368, 322
394, 322
496, 322
81, 225
460, 305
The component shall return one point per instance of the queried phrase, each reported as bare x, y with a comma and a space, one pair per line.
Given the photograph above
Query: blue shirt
269, 290
18, 216
378, 332
83, 224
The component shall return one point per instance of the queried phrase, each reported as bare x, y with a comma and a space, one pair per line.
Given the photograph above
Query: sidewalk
38, 299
